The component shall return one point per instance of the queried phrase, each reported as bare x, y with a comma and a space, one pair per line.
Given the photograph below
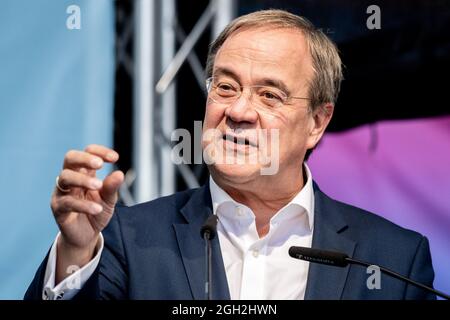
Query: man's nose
242, 110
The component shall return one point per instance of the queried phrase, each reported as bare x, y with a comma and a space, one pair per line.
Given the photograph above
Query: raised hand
83, 205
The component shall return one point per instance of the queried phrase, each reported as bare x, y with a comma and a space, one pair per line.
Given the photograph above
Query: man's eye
225, 87
270, 96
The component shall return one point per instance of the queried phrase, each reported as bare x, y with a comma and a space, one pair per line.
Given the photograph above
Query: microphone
208, 232
209, 228
339, 259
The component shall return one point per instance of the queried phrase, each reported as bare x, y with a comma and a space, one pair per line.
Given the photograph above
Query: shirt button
240, 211
256, 253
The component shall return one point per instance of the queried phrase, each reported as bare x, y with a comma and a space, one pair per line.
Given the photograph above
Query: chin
236, 173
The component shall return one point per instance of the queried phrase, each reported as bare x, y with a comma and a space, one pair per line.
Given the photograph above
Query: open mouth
239, 140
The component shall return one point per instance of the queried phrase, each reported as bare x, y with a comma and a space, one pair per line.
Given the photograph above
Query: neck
264, 198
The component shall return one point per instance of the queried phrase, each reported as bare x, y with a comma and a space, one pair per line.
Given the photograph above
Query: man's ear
320, 118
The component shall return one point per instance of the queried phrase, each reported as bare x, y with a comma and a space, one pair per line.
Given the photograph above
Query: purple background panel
399, 170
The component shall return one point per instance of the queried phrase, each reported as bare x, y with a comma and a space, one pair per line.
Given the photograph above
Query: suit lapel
192, 247
327, 282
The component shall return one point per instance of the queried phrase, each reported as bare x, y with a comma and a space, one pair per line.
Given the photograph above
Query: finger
68, 204
69, 179
107, 154
111, 185
80, 159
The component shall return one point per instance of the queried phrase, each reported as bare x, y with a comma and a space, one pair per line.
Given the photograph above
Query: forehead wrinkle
245, 55
269, 53
250, 53
253, 69
278, 40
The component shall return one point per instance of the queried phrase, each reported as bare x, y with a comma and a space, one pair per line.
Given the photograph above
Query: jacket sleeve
109, 280
34, 291
422, 272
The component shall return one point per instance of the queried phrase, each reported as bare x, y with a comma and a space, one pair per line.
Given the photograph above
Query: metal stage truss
154, 65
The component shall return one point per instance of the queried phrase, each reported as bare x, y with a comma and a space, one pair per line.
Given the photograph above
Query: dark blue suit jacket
154, 251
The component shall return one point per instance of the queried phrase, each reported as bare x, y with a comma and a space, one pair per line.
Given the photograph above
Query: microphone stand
339, 259
208, 264
400, 277
208, 232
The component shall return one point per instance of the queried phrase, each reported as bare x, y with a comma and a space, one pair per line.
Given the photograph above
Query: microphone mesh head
210, 226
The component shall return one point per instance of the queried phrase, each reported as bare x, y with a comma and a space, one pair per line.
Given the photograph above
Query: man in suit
268, 72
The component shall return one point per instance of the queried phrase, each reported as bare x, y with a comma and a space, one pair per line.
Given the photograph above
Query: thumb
111, 185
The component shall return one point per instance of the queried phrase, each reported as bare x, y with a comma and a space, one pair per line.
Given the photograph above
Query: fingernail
96, 184
110, 156
97, 208
96, 162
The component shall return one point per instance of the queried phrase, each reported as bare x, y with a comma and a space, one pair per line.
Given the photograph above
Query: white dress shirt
70, 286
256, 268
261, 268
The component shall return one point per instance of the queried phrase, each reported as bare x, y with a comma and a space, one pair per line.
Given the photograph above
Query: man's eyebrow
276, 83
220, 71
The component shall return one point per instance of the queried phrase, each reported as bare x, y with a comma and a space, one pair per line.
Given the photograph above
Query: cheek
293, 128
290, 124
294, 135
271, 118
213, 116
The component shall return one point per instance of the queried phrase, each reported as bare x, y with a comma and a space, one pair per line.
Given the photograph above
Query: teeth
236, 140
